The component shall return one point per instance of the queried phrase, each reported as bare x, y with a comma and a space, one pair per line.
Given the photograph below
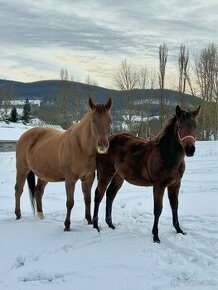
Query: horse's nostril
103, 144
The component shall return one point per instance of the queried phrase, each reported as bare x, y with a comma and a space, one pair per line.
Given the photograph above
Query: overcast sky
90, 37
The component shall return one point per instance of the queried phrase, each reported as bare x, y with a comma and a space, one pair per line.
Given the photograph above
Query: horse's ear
108, 104
91, 104
196, 112
178, 111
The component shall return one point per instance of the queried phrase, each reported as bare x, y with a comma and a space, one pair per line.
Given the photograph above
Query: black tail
32, 186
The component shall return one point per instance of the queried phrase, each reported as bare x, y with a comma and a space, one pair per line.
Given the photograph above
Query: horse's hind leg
20, 181
112, 190
173, 192
86, 188
40, 187
70, 187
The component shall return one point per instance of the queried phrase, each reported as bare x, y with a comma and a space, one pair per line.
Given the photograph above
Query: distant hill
48, 89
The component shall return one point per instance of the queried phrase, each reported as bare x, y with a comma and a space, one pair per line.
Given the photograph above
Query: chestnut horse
158, 162
67, 156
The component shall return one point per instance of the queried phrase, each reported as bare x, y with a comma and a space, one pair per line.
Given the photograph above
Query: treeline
199, 78
141, 101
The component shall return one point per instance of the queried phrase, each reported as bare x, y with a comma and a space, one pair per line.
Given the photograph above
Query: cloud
68, 33
35, 26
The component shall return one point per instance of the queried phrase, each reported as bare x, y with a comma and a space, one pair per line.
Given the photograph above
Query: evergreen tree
14, 115
26, 111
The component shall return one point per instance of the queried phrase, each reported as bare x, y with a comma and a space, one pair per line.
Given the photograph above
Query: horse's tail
32, 186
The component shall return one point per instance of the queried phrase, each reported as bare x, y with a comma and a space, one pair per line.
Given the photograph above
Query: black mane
168, 129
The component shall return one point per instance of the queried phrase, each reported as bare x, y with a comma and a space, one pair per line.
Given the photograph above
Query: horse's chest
171, 176
85, 167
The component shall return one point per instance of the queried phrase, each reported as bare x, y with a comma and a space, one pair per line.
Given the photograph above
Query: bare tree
215, 94
183, 65
206, 73
126, 80
163, 53
91, 86
90, 81
153, 79
146, 81
64, 103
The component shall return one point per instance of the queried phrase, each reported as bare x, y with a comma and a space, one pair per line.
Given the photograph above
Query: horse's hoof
180, 231
156, 240
96, 227
67, 229
17, 214
111, 226
183, 233
40, 215
89, 222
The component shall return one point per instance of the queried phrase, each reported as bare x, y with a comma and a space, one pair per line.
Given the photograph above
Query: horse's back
126, 142
36, 136
37, 146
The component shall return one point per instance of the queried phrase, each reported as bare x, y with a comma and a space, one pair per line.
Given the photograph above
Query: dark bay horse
158, 162
67, 156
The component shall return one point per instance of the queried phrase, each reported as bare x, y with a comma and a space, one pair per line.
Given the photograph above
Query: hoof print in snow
20, 262
41, 277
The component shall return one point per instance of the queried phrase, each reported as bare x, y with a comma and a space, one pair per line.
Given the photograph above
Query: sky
90, 38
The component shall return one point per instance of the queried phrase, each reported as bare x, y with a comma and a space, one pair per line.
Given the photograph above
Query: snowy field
38, 254
12, 131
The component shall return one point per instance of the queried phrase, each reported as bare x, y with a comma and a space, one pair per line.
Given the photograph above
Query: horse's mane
100, 109
168, 129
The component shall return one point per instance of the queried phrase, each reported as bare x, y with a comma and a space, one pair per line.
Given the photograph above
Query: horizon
81, 82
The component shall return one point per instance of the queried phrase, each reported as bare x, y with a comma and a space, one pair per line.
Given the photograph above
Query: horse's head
186, 129
101, 124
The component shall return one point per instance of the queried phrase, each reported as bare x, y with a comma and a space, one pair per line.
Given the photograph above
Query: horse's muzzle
189, 150
102, 148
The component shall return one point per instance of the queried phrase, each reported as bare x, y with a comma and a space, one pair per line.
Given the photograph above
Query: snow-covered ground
38, 254
12, 131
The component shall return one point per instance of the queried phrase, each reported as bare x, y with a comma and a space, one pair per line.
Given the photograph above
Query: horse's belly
139, 182
135, 180
48, 175
134, 177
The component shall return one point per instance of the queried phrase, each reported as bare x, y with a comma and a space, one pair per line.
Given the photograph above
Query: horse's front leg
20, 181
99, 193
86, 188
112, 190
173, 193
70, 187
158, 192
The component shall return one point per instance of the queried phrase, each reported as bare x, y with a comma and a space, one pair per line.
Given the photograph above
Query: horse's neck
170, 147
84, 134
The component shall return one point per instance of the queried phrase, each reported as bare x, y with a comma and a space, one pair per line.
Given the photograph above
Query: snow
12, 131
38, 254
